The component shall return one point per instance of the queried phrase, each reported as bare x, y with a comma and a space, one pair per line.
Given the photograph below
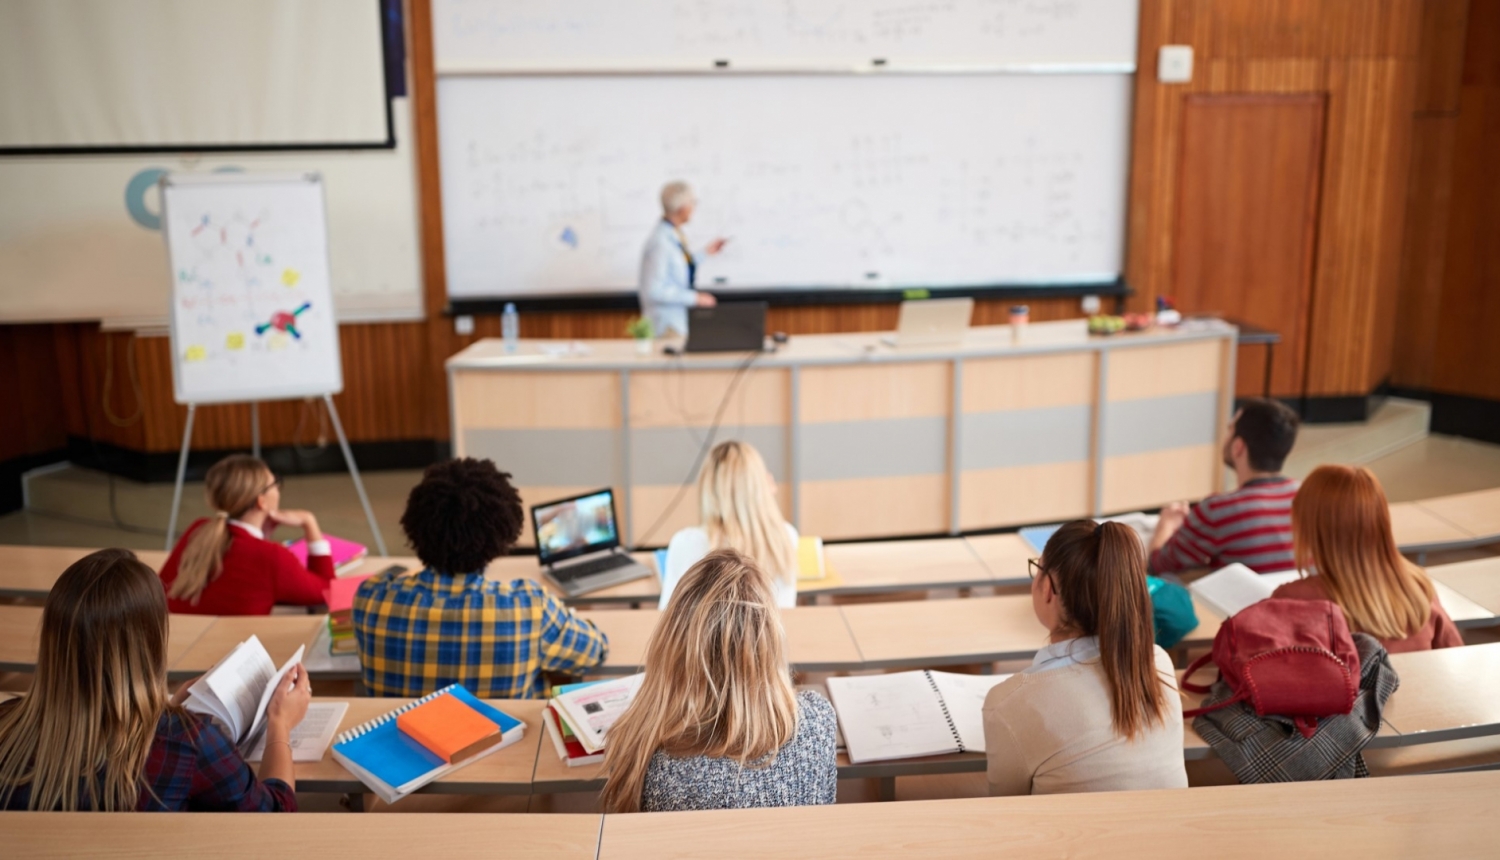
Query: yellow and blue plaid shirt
420, 633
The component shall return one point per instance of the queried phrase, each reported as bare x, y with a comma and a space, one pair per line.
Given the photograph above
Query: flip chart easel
252, 315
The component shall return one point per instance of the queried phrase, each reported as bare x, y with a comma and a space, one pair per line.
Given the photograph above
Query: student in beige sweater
1098, 709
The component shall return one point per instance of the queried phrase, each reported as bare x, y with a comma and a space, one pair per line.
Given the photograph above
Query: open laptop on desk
727, 327
932, 322
579, 545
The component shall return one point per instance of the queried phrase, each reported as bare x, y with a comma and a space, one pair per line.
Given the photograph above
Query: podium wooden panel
865, 440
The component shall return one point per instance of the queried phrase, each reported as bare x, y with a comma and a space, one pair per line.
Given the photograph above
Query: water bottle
510, 327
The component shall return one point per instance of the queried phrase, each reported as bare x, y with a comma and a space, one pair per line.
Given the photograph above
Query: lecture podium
865, 440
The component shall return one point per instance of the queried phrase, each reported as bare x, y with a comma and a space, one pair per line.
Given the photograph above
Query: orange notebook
452, 730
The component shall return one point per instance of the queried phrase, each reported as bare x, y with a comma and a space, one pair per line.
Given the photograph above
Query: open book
1234, 587
911, 714
236, 691
590, 710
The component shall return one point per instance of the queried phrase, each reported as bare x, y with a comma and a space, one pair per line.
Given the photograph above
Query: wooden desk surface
281, 634
1005, 556
1478, 580
31, 571
308, 834
915, 564
1477, 513
508, 771
1413, 524
1444, 815
817, 638
928, 633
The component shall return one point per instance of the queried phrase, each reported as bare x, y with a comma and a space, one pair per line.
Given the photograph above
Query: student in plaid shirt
448, 624
97, 729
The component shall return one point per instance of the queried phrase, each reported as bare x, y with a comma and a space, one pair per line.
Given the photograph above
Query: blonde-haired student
717, 723
1098, 709
97, 729
1341, 528
738, 510
225, 565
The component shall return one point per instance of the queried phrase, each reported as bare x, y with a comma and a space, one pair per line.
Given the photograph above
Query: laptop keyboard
591, 567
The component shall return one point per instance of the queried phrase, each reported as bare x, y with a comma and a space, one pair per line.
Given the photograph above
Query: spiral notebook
911, 714
393, 765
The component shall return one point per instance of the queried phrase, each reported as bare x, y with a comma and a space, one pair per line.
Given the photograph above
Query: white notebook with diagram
911, 714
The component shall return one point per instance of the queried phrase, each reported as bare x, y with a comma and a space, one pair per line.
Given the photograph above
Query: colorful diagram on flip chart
252, 304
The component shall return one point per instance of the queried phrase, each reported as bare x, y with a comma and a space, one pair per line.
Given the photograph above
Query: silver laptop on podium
579, 545
932, 322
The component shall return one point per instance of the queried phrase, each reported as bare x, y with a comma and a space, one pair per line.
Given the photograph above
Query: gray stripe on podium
551, 457
665, 455
1161, 423
888, 448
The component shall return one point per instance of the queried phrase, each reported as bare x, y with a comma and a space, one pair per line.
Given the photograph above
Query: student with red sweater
226, 565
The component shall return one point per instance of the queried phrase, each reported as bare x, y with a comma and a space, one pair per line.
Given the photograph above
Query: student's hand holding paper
289, 703
1171, 520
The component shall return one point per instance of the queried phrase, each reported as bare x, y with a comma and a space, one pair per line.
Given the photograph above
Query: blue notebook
393, 765
1038, 536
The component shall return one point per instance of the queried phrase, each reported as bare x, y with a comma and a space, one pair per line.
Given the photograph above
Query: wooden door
1245, 230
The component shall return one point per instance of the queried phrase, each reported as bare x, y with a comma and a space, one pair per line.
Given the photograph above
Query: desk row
1441, 815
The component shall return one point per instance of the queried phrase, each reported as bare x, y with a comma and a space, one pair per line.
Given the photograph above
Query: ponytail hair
1099, 573
232, 485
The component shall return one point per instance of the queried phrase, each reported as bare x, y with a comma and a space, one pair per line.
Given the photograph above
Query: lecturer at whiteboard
668, 268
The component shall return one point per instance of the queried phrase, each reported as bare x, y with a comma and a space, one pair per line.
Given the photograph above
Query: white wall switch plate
1174, 64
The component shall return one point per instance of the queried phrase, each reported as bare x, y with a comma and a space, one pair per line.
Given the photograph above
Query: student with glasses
226, 564
1098, 709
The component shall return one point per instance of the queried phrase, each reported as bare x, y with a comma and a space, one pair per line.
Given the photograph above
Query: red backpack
1290, 658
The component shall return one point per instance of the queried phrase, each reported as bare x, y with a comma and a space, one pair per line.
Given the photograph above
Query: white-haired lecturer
668, 268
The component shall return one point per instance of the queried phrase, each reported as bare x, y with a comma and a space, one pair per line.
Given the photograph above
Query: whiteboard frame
289, 392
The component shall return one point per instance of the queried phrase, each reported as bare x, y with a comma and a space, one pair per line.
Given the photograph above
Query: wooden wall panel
33, 420
1424, 249
1363, 57
1246, 219
1450, 272
1467, 350
1440, 59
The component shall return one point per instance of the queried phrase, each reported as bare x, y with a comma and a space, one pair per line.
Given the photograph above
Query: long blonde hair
232, 485
717, 682
81, 735
737, 506
1341, 530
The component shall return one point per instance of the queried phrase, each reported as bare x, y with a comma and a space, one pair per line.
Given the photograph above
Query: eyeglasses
1034, 567
275, 483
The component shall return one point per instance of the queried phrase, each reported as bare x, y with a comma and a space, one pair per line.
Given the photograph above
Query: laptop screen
575, 526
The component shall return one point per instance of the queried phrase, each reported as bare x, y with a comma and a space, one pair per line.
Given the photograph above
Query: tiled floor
71, 507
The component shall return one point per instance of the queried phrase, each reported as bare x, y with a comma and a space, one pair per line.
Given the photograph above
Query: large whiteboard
252, 305
550, 183
505, 35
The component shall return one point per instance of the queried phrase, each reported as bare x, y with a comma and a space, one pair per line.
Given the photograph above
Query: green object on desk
911, 295
1172, 613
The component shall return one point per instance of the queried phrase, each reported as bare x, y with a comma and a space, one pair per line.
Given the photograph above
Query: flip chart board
252, 313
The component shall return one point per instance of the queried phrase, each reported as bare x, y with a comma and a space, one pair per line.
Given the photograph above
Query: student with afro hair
448, 624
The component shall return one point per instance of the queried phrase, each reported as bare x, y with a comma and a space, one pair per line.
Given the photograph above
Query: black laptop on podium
727, 327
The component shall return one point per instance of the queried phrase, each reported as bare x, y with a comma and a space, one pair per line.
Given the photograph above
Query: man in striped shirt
1253, 524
